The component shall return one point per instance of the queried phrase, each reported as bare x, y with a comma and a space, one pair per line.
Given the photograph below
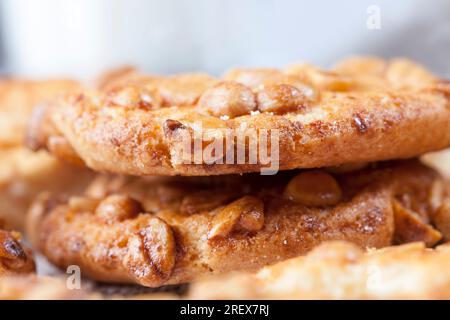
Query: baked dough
168, 230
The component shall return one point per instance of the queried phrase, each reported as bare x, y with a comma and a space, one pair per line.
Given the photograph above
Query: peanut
314, 188
230, 99
118, 208
246, 214
280, 98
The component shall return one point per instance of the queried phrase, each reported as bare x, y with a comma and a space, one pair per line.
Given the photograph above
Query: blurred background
80, 38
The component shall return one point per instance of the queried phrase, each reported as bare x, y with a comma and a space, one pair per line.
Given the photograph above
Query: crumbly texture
365, 109
159, 231
340, 270
14, 258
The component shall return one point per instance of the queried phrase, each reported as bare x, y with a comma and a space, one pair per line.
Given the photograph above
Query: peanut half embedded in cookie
364, 110
168, 230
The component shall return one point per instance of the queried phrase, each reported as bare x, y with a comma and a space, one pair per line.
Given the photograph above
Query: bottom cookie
160, 231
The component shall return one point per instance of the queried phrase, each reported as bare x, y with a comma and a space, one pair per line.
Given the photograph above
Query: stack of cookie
200, 176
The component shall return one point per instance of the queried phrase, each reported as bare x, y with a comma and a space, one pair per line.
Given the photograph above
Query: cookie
250, 120
18, 97
168, 230
340, 270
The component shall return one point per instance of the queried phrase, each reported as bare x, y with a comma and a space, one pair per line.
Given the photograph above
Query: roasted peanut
246, 213
280, 98
313, 188
118, 208
409, 227
230, 99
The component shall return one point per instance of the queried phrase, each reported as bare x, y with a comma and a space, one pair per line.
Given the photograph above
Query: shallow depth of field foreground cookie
24, 174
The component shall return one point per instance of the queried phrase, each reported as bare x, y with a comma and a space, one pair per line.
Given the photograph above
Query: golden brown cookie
168, 230
14, 258
340, 270
363, 110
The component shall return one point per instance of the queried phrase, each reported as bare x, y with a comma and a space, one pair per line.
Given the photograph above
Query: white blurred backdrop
41, 38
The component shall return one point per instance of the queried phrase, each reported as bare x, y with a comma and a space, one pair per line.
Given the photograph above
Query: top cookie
365, 109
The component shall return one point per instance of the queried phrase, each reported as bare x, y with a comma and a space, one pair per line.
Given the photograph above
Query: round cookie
363, 110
